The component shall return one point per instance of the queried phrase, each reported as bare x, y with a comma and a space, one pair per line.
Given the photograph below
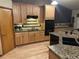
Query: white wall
6, 3
76, 21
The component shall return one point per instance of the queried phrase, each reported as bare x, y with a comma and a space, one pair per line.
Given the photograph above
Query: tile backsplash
61, 24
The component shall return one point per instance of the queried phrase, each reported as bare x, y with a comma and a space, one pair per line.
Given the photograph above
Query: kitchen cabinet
18, 38
36, 10
21, 38
39, 36
21, 10
6, 30
31, 36
52, 55
24, 12
42, 14
29, 9
49, 12
17, 13
25, 37
47, 37
33, 9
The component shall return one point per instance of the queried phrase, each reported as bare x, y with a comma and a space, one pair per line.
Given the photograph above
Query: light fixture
54, 3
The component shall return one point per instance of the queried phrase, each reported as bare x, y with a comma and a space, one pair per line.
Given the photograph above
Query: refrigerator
49, 26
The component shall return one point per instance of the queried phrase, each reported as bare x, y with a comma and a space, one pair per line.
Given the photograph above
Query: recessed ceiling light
54, 3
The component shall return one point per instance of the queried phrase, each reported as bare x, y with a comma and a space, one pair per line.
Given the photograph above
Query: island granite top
65, 51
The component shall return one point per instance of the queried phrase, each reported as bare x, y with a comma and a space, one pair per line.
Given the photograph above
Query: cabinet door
29, 9
42, 16
6, 27
24, 12
39, 36
31, 37
47, 37
42, 35
36, 10
25, 38
53, 55
18, 38
49, 12
17, 13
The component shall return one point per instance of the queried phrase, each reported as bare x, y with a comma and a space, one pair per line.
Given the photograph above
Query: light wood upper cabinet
17, 13
36, 10
42, 14
24, 12
49, 12
29, 9
21, 10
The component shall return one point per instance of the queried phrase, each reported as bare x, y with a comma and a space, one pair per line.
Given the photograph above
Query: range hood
32, 16
32, 19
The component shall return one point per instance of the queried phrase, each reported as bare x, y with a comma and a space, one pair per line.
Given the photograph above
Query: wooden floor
32, 51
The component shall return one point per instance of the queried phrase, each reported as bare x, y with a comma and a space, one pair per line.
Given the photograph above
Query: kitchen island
61, 51
65, 51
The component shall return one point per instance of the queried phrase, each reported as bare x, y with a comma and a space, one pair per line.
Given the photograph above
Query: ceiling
72, 4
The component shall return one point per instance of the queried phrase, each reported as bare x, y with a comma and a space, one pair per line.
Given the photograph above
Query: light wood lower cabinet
25, 37
30, 37
21, 38
39, 36
47, 38
18, 38
52, 55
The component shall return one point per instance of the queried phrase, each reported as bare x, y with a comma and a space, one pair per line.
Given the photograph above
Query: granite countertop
65, 51
29, 31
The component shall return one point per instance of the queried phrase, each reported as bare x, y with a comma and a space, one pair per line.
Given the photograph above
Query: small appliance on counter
18, 27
